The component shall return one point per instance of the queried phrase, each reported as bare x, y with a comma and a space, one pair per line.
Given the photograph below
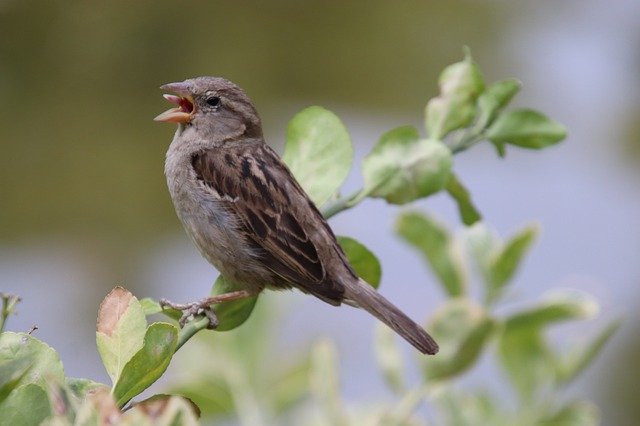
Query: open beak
185, 109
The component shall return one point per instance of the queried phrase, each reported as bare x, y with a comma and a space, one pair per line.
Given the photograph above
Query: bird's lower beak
185, 110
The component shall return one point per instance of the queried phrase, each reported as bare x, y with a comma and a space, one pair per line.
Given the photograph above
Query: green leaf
318, 151
40, 360
462, 329
460, 85
525, 354
64, 404
577, 413
325, 384
460, 194
148, 364
290, 387
82, 387
150, 306
402, 168
389, 358
27, 405
505, 262
495, 98
436, 245
581, 357
213, 396
484, 244
364, 262
469, 409
11, 374
234, 313
556, 306
162, 410
120, 330
526, 128
95, 408
527, 360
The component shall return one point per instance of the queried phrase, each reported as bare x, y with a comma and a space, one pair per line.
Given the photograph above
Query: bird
247, 214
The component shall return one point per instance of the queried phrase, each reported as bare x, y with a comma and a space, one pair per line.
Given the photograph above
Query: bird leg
203, 306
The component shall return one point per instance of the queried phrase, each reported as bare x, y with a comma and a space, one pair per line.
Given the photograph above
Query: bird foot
203, 307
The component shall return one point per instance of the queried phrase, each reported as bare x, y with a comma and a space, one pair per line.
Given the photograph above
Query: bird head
215, 107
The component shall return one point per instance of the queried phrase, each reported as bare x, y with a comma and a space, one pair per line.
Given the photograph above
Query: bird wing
254, 184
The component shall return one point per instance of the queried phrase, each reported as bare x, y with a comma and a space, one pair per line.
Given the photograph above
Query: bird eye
213, 101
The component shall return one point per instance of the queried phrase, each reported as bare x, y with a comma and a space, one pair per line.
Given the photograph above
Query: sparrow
248, 215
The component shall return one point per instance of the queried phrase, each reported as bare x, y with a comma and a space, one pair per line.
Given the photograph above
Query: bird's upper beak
186, 108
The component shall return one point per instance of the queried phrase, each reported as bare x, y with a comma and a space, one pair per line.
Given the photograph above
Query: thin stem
190, 329
344, 203
9, 302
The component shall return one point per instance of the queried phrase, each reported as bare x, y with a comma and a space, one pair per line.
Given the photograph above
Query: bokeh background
83, 201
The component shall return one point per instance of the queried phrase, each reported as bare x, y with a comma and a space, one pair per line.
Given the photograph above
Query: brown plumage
247, 213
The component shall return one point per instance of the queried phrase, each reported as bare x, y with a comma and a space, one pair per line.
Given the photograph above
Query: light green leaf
455, 107
11, 374
96, 407
581, 357
577, 413
148, 364
212, 394
505, 262
234, 313
364, 262
402, 168
469, 409
41, 362
495, 98
64, 404
325, 385
527, 359
484, 244
82, 387
120, 330
436, 245
459, 193
27, 405
557, 306
150, 306
389, 358
318, 151
525, 354
162, 410
291, 386
462, 329
526, 128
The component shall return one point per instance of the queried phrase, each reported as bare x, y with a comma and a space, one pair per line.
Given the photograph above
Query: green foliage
120, 330
227, 374
462, 329
455, 107
235, 313
318, 151
364, 262
434, 243
147, 364
468, 212
402, 167
526, 128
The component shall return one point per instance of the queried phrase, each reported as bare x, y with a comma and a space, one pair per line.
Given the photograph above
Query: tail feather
362, 295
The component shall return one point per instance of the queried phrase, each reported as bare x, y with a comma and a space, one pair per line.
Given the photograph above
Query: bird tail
362, 295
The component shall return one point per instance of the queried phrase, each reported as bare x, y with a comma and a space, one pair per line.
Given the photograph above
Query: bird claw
191, 310
203, 307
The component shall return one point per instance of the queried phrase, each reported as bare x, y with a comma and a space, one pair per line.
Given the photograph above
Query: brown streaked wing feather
249, 181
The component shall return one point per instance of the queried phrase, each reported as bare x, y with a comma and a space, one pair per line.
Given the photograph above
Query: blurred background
83, 200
